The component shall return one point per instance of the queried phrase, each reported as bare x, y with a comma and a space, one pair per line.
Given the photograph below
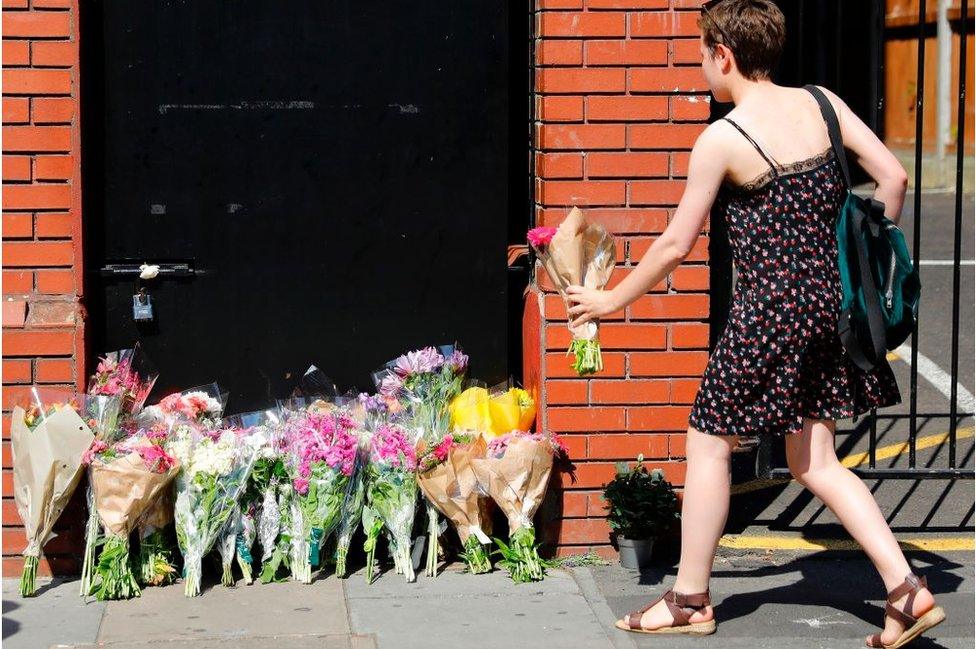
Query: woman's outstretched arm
706, 170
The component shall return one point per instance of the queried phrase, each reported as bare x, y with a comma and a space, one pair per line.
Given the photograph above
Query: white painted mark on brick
945, 262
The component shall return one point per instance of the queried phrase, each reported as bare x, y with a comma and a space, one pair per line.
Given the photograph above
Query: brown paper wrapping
453, 489
583, 254
517, 482
124, 489
47, 468
160, 513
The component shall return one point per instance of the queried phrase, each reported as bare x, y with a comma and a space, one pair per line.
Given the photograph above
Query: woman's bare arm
874, 157
706, 170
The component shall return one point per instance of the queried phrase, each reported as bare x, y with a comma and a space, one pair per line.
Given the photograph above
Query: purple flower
373, 403
458, 362
391, 385
422, 361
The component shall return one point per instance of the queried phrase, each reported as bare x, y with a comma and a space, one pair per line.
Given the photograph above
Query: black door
336, 180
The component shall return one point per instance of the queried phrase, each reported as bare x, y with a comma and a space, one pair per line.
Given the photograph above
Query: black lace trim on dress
781, 170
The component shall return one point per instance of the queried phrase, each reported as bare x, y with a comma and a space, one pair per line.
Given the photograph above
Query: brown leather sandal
682, 607
914, 627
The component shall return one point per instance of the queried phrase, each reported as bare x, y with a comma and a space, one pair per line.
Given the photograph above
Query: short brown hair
756, 29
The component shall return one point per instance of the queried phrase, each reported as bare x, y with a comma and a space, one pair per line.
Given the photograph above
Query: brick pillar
620, 100
42, 266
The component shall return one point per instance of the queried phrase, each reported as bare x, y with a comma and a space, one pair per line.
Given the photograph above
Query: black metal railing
768, 464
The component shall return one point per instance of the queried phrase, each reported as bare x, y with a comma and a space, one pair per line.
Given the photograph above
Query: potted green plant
641, 506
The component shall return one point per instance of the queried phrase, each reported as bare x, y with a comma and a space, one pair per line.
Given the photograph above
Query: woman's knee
703, 445
811, 452
798, 461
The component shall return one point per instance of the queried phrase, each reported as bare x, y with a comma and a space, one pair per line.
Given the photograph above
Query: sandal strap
912, 584
677, 604
696, 600
905, 618
634, 618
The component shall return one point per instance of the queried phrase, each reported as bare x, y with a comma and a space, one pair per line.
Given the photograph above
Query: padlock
142, 310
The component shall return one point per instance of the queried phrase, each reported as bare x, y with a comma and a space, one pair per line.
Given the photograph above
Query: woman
779, 367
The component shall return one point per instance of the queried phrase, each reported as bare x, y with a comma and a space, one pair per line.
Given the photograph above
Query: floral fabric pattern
779, 358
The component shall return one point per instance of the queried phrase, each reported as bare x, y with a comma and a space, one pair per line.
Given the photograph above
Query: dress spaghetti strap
769, 160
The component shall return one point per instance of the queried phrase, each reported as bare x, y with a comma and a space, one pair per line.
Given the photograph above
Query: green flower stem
521, 557
91, 540
587, 357
155, 560
114, 577
28, 578
342, 552
432, 540
191, 577
476, 556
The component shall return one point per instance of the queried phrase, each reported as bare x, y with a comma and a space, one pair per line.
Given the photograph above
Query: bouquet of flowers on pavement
238, 537
127, 374
115, 392
445, 476
368, 413
215, 469
48, 441
259, 516
321, 457
426, 381
127, 478
391, 496
583, 254
515, 473
176, 415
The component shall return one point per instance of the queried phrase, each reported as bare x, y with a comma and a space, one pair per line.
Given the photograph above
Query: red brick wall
620, 101
42, 320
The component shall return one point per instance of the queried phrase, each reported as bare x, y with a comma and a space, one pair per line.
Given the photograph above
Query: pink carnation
97, 447
155, 458
390, 446
541, 236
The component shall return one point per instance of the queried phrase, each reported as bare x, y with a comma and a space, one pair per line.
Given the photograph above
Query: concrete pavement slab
220, 613
56, 615
484, 611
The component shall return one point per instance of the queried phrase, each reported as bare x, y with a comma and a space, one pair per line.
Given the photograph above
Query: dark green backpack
880, 283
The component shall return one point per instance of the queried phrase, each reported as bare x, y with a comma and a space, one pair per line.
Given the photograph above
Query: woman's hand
589, 304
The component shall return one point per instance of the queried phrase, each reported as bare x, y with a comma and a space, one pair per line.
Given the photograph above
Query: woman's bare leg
813, 462
704, 509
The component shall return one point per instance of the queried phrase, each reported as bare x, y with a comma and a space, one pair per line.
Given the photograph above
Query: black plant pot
635, 553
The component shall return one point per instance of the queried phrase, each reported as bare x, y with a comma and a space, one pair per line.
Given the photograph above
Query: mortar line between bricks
598, 605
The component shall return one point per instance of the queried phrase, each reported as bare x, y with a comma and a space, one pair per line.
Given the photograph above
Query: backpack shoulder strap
833, 129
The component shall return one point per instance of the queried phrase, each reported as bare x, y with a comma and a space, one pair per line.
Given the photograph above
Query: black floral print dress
779, 358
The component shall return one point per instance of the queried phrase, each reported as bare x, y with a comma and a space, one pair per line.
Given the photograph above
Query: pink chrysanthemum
541, 236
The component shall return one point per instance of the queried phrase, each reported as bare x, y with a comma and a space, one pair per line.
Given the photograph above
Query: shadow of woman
834, 585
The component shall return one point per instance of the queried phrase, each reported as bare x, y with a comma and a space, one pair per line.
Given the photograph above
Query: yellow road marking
893, 450
892, 356
943, 544
857, 459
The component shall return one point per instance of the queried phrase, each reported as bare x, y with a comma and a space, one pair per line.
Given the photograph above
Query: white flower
180, 446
